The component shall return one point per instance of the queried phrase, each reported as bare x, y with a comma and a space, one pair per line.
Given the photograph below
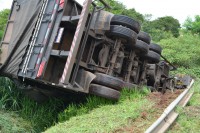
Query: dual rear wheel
106, 86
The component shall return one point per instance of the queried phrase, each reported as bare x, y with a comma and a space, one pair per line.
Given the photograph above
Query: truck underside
61, 45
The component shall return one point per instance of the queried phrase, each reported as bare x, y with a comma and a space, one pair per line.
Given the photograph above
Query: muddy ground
159, 103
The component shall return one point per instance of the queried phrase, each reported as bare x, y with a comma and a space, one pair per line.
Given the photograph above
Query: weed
8, 95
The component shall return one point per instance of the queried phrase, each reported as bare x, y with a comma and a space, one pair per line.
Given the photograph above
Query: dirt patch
149, 115
163, 100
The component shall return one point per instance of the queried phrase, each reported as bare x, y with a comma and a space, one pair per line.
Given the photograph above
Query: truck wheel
108, 81
117, 31
142, 47
143, 36
127, 22
105, 92
152, 57
156, 48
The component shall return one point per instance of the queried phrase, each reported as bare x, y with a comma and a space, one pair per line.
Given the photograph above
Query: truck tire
105, 92
156, 48
143, 36
117, 31
108, 81
152, 57
127, 22
142, 47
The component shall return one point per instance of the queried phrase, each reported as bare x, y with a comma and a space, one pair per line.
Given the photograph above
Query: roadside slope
107, 118
135, 112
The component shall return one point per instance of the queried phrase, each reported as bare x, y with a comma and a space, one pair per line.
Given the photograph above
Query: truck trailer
60, 45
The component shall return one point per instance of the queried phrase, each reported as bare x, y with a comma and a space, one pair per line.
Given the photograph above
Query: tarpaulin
24, 23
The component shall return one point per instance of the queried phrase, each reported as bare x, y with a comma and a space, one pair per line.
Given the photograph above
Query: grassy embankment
107, 117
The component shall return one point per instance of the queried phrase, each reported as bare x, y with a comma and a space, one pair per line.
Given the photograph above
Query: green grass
40, 116
10, 122
189, 120
105, 117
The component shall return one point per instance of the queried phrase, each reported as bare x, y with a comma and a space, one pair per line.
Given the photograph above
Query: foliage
40, 116
167, 23
8, 95
183, 52
193, 26
157, 34
3, 20
161, 28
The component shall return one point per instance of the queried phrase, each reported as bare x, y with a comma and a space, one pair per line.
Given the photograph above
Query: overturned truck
60, 45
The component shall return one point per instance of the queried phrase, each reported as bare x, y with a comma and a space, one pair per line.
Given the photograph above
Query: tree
117, 7
161, 28
3, 20
168, 24
193, 26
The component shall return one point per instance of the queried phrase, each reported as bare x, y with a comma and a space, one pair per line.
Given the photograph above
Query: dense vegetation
183, 52
181, 47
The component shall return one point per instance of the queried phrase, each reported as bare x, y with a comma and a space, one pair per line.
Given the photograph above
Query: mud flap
101, 21
84, 79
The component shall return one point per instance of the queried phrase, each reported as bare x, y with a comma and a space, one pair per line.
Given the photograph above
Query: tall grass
40, 116
8, 95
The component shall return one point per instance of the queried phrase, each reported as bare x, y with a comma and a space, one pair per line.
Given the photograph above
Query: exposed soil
148, 116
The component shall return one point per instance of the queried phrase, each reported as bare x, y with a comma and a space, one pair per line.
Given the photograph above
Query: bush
183, 52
